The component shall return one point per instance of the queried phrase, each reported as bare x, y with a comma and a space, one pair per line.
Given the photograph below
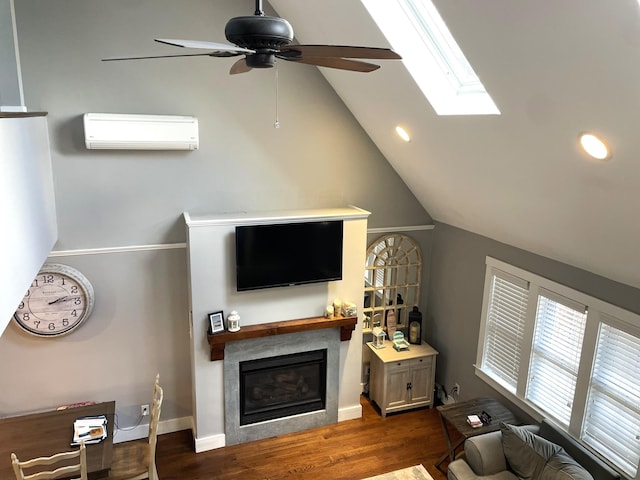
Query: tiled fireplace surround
211, 274
267, 347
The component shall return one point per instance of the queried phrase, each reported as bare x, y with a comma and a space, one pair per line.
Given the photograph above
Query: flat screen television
286, 254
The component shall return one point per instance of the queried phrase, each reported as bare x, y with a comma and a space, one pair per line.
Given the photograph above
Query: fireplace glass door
282, 386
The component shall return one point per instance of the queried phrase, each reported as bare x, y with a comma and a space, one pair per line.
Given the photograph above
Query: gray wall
10, 82
457, 270
319, 158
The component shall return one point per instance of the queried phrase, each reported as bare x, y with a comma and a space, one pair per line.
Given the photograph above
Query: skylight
415, 29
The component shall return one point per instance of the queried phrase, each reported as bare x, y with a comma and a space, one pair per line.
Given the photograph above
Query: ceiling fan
263, 39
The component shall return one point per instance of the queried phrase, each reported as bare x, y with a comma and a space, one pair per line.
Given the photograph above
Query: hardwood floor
349, 450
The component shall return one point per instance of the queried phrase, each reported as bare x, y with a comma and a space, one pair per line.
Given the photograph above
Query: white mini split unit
117, 131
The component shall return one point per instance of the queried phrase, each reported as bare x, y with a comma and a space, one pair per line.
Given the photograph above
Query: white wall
212, 287
27, 207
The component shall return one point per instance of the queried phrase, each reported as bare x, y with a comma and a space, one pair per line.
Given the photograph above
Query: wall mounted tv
286, 254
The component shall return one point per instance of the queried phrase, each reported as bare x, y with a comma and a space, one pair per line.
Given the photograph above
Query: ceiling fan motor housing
263, 34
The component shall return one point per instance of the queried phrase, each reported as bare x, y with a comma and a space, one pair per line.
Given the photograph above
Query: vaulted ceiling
554, 69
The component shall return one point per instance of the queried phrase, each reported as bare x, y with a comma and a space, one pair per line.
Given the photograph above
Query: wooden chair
136, 460
79, 455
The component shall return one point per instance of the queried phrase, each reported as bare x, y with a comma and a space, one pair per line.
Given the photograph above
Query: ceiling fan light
594, 146
259, 32
403, 134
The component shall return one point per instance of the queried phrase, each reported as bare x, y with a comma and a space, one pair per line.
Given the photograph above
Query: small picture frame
216, 322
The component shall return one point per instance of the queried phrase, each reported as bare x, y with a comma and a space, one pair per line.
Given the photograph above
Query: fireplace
282, 386
264, 384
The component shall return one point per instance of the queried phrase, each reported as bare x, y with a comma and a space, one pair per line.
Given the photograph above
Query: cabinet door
398, 382
421, 381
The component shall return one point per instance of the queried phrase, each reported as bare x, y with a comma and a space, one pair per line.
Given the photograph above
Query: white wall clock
57, 302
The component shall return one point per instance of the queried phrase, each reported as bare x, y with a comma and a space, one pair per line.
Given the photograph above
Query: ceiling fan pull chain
277, 122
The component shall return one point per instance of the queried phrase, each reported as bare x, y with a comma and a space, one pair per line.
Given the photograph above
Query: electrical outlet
144, 410
456, 388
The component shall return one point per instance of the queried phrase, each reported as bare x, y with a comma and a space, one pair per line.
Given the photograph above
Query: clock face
58, 301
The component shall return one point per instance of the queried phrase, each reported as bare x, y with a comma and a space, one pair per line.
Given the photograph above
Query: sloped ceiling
554, 69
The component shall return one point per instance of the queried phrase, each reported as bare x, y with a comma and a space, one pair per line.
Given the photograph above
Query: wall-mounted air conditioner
140, 132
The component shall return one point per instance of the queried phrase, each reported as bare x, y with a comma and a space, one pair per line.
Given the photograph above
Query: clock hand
61, 299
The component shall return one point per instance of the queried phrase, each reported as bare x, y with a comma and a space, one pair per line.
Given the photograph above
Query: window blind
612, 421
568, 356
555, 355
506, 317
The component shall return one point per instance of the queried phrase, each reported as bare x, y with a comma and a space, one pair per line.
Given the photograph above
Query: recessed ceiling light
594, 146
403, 134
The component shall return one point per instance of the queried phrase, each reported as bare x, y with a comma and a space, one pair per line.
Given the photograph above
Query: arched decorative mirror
392, 277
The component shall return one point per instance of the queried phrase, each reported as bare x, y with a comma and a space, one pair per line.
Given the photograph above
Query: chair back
156, 407
136, 460
80, 467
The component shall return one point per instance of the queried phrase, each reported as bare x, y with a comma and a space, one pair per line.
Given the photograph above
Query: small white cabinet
402, 380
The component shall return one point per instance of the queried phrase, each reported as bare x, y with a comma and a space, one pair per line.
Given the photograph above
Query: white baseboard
210, 443
142, 431
206, 443
218, 441
349, 413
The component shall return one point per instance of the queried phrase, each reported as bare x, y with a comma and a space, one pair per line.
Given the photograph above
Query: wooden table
46, 433
455, 414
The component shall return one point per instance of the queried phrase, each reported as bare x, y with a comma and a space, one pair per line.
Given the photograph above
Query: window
564, 355
555, 355
614, 398
505, 328
415, 29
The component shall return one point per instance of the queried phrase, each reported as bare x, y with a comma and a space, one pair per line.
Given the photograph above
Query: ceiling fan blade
332, 62
111, 59
216, 49
239, 67
341, 51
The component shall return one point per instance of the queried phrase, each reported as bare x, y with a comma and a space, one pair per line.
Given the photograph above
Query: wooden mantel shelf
217, 341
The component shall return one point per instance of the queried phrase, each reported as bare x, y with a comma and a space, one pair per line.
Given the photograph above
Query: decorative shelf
217, 341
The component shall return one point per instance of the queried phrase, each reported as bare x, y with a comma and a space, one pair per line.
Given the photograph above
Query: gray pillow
563, 467
526, 452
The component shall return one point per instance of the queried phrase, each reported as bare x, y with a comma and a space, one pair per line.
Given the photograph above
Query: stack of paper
89, 430
474, 421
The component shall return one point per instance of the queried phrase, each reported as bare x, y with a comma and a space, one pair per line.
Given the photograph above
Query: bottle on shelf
415, 326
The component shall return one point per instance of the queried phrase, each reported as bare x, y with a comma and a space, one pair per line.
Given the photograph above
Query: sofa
531, 452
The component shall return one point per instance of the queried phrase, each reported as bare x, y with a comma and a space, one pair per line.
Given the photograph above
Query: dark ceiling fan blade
239, 67
111, 59
340, 51
332, 62
216, 49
